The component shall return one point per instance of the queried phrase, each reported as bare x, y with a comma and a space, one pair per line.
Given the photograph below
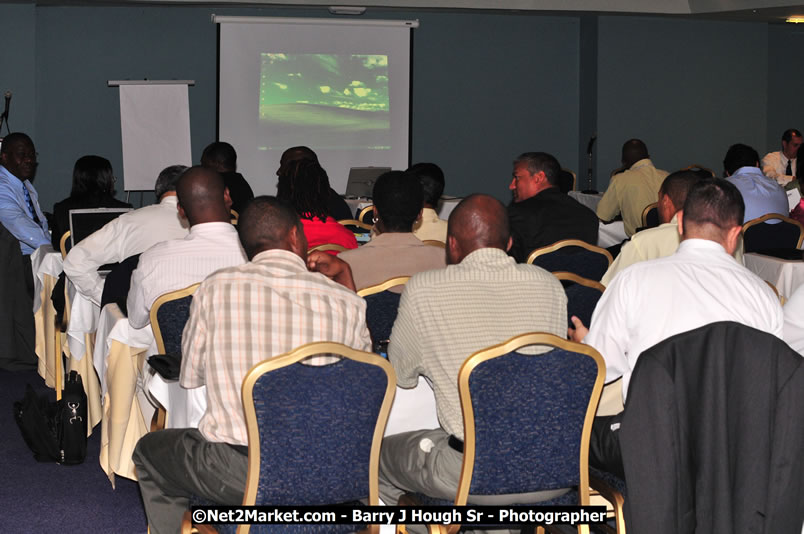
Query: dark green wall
485, 86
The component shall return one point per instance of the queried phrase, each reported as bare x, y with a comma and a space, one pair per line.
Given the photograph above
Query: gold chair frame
63, 243
355, 222
435, 243
235, 217
568, 243
646, 211
289, 358
327, 246
160, 415
382, 286
769, 216
574, 178
572, 277
363, 212
513, 344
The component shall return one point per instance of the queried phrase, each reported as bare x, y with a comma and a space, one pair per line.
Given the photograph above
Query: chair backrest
758, 234
322, 446
434, 243
169, 314
235, 217
382, 306
356, 226
367, 212
328, 246
582, 296
567, 180
65, 244
650, 216
540, 406
575, 256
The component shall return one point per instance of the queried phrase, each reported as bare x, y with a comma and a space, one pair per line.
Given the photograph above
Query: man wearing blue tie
19, 207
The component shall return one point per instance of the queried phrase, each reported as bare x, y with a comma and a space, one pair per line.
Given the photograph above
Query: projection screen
339, 87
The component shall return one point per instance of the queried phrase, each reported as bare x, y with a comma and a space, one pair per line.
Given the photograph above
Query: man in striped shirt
240, 316
481, 299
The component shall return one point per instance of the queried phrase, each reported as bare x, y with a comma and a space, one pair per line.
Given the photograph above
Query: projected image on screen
329, 101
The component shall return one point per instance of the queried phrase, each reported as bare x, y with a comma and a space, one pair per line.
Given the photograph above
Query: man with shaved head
630, 191
240, 316
212, 244
482, 298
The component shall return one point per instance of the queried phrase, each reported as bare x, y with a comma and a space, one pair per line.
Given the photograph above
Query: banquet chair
169, 314
575, 256
325, 247
65, 244
356, 227
759, 234
532, 410
368, 211
582, 296
650, 216
381, 309
235, 217
567, 180
344, 409
696, 167
434, 243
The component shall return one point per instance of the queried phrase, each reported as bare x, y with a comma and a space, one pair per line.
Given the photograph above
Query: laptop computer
84, 222
361, 181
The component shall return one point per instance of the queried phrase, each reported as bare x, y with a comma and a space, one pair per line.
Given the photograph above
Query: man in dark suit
540, 213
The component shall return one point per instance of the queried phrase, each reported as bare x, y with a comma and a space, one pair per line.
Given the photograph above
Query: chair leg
58, 365
159, 419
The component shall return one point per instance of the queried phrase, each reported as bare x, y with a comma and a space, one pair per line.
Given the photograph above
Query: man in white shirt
653, 300
131, 233
212, 244
781, 166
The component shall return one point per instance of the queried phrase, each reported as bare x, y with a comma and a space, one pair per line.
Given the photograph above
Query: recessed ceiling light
798, 19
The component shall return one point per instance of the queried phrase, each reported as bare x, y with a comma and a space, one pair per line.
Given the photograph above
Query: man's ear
733, 238
227, 198
510, 244
680, 218
181, 211
297, 241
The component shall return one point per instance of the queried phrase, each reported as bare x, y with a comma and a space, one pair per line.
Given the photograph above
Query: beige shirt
245, 314
651, 244
447, 315
630, 192
390, 255
431, 227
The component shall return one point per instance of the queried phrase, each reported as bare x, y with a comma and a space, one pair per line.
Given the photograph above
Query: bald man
482, 298
212, 244
630, 191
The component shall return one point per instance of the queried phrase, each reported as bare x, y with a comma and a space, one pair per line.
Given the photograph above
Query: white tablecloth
610, 234
786, 275
590, 201
84, 316
44, 262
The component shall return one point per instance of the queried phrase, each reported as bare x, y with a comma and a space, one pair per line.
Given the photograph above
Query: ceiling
745, 10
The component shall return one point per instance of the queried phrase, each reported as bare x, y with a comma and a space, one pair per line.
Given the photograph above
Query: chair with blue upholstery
772, 231
382, 306
650, 216
321, 447
527, 421
575, 256
582, 295
169, 314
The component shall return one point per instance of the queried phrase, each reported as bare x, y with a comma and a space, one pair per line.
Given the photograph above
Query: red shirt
328, 232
